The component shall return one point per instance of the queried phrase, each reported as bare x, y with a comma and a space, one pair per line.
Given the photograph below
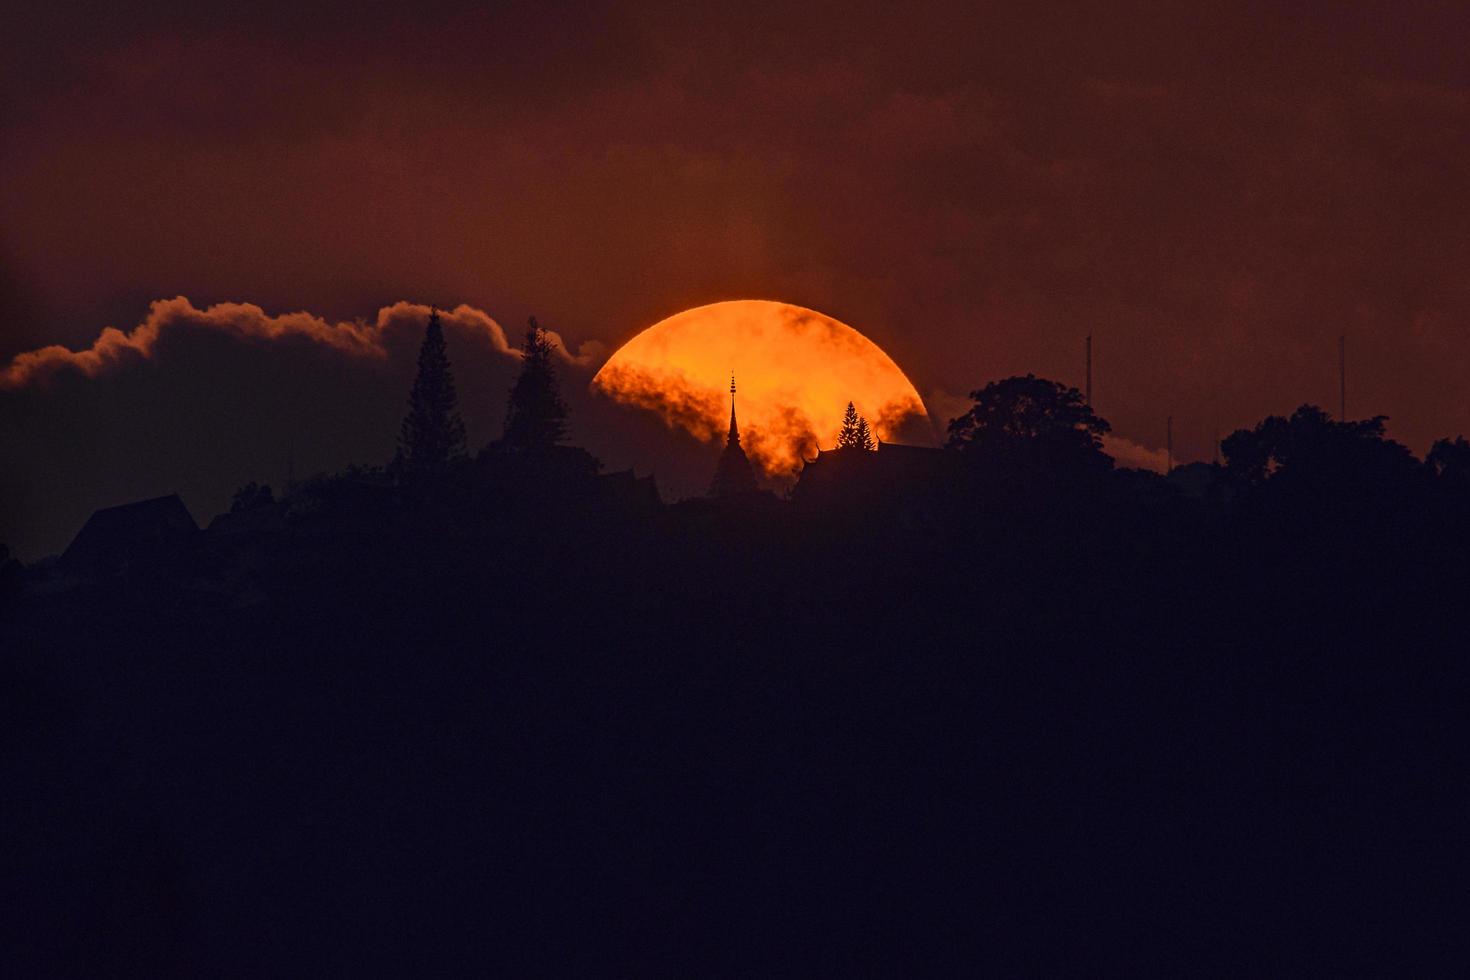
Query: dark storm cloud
201, 401
1215, 195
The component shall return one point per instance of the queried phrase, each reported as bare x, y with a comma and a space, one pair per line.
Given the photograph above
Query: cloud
201, 400
590, 353
777, 443
944, 406
1127, 453
668, 393
777, 434
1215, 227
114, 350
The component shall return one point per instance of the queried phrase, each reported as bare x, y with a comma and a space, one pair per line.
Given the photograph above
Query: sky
1214, 191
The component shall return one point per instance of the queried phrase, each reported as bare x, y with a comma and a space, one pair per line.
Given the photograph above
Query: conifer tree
432, 433
847, 437
855, 433
536, 415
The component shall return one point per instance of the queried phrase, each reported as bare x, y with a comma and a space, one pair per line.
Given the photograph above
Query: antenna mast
1342, 377
1169, 441
1089, 370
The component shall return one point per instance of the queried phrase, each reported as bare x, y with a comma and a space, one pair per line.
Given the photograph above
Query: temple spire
734, 437
733, 475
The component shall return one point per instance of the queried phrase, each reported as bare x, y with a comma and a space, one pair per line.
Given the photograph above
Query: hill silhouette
1000, 706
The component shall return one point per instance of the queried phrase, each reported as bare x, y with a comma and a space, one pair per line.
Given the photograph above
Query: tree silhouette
1032, 422
251, 496
10, 572
432, 433
536, 415
854, 433
1312, 446
1449, 460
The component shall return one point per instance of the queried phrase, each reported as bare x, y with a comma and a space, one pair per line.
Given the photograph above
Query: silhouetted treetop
854, 433
536, 416
1449, 460
1311, 445
432, 433
1031, 421
250, 496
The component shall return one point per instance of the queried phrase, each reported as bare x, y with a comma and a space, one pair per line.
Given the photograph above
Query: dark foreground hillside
529, 726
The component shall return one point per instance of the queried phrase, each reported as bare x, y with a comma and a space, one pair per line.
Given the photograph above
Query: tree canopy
1310, 445
251, 496
1449, 460
1031, 422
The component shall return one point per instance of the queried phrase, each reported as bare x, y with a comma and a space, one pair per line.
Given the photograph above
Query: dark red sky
1214, 191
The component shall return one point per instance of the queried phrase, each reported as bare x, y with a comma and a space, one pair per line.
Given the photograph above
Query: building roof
888, 457
118, 534
891, 471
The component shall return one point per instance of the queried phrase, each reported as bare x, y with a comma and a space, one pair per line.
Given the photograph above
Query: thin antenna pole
1342, 378
1169, 440
1089, 370
1216, 437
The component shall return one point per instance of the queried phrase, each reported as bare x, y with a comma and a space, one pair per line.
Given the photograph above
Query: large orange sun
796, 370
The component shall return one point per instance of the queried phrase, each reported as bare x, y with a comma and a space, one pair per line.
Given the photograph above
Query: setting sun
797, 369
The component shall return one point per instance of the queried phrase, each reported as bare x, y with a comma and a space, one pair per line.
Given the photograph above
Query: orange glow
796, 370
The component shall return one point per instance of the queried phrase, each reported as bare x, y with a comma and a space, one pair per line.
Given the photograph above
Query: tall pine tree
854, 434
432, 433
536, 416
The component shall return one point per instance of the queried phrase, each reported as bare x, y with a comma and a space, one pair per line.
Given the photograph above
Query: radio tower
1342, 377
